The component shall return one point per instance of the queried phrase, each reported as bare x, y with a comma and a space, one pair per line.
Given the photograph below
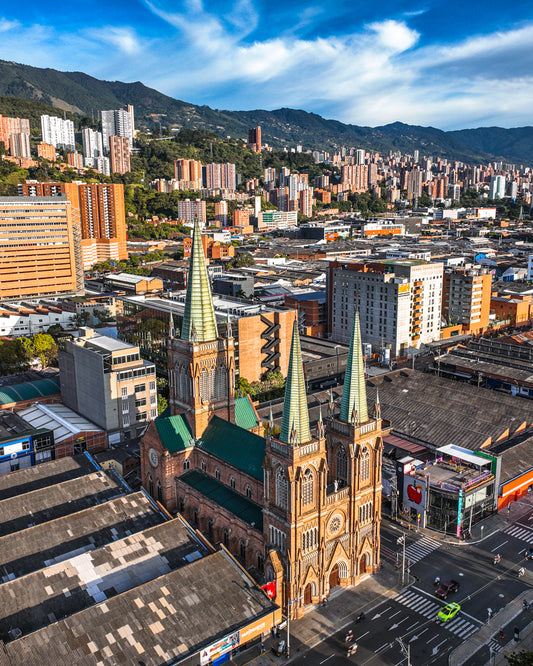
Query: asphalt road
410, 615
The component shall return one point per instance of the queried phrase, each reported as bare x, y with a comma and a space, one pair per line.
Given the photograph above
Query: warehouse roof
40, 388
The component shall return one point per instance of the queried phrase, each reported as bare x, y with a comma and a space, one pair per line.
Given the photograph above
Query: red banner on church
270, 589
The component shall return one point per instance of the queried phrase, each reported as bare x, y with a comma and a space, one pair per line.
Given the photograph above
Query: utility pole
402, 541
406, 650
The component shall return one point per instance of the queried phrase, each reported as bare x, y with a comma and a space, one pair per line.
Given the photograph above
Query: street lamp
401, 540
406, 650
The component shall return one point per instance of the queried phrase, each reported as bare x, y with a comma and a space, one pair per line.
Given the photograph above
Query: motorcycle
497, 559
360, 617
349, 637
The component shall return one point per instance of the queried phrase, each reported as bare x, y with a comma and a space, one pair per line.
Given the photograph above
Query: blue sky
448, 64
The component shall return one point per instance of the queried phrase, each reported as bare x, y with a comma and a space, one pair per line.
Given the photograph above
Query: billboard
414, 497
216, 650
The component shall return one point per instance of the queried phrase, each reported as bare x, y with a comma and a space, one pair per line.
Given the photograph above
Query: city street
407, 621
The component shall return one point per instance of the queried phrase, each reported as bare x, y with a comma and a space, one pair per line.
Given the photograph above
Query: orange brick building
46, 151
241, 217
466, 299
517, 309
119, 150
99, 210
37, 251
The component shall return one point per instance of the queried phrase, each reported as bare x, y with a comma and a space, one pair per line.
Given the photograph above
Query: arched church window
307, 487
282, 490
365, 464
221, 382
186, 464
204, 384
212, 374
226, 538
249, 492
217, 474
203, 465
232, 482
342, 464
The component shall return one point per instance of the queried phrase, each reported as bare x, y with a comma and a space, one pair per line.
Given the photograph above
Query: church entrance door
334, 576
307, 595
363, 564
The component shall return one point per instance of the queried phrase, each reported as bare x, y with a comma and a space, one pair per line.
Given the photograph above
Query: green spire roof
353, 405
295, 420
199, 311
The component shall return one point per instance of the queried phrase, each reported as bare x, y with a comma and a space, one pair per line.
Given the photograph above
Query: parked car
529, 554
446, 588
448, 612
278, 647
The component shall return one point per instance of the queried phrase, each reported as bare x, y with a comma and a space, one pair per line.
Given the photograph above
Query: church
297, 506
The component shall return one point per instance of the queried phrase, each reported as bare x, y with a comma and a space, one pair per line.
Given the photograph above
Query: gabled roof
174, 433
236, 446
29, 390
245, 416
239, 505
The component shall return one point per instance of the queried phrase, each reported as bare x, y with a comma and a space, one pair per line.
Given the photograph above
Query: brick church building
302, 507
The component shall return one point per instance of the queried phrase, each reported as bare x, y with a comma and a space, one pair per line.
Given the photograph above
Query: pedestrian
262, 647
489, 612
516, 634
501, 635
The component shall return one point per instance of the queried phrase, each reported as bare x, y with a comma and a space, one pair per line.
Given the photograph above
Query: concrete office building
399, 302
58, 132
40, 251
107, 380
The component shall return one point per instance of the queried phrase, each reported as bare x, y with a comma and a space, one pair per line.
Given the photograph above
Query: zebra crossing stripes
420, 548
459, 626
494, 646
522, 533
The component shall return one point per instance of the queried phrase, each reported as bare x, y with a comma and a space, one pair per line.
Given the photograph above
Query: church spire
295, 420
198, 299
353, 405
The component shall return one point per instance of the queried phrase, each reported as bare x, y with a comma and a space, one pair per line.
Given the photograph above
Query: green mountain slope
80, 93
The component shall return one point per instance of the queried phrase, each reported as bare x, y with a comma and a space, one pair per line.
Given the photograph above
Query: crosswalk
495, 646
520, 532
420, 549
459, 625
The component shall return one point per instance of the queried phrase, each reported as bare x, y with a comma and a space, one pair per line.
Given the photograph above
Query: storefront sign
219, 648
459, 512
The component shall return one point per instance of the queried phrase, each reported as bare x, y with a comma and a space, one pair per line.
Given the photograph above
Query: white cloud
6, 25
124, 39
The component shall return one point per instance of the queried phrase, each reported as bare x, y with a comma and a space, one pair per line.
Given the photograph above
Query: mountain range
79, 93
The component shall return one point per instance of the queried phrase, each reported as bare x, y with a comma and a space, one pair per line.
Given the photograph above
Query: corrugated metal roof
29, 390
244, 413
239, 505
238, 447
62, 420
174, 433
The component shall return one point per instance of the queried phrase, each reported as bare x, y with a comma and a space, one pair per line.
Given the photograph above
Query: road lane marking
502, 544
358, 639
471, 617
323, 662
395, 614
383, 647
417, 636
433, 638
412, 626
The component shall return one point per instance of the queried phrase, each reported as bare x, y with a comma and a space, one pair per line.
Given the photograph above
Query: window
14, 465
342, 464
152, 387
141, 416
226, 538
153, 413
140, 403
281, 489
249, 492
80, 446
125, 408
125, 420
232, 483
277, 538
124, 391
151, 486
365, 464
310, 539
153, 400
139, 388
217, 474
159, 492
365, 513
186, 464
202, 465
307, 487
243, 551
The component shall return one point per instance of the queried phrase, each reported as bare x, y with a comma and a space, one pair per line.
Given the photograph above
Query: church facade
301, 507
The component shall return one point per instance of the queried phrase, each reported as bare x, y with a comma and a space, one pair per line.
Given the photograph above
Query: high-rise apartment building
15, 126
497, 187
46, 151
39, 248
359, 156
220, 176
254, 139
19, 145
189, 211
221, 213
116, 122
399, 302
75, 160
414, 183
93, 145
119, 150
99, 209
306, 202
106, 380
58, 132
466, 298
241, 217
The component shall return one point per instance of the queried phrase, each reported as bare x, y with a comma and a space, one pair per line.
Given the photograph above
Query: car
529, 554
447, 588
448, 612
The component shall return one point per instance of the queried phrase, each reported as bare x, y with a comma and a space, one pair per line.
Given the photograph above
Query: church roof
199, 313
295, 412
354, 392
216, 491
245, 416
238, 447
174, 433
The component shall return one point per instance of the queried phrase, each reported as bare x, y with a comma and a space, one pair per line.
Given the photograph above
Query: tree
522, 658
243, 386
44, 347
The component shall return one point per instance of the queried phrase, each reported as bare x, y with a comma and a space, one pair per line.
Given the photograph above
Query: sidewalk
320, 622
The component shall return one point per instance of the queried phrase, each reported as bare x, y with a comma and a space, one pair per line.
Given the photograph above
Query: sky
446, 63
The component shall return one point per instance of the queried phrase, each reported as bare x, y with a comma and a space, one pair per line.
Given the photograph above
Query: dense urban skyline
450, 66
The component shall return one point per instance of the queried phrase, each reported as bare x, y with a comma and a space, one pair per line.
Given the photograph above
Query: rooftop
63, 421
29, 390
